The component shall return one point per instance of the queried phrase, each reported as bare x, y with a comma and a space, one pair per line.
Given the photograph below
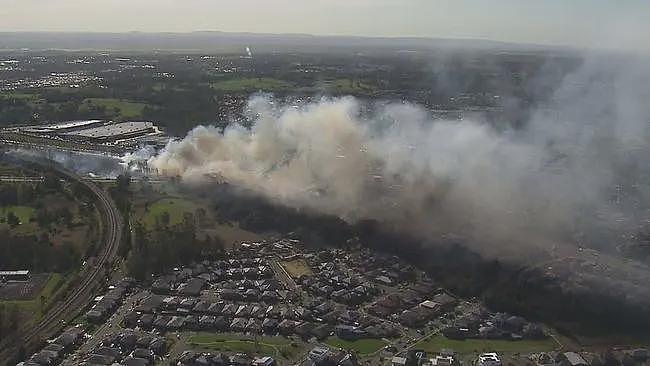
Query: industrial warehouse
98, 132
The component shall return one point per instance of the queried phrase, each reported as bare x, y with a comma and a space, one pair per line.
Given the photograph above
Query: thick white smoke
548, 180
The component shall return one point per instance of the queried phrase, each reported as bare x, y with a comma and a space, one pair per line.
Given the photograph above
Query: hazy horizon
580, 23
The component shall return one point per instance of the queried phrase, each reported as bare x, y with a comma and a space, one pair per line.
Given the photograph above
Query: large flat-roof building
113, 132
19, 275
99, 132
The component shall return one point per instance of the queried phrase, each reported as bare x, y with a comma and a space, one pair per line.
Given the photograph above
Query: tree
12, 219
123, 182
51, 182
165, 219
628, 360
43, 217
65, 216
13, 318
2, 320
136, 265
8, 195
41, 303
610, 359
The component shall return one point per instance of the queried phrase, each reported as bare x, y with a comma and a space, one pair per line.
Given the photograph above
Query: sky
582, 23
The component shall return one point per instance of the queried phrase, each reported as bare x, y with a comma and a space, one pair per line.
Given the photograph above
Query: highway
81, 294
36, 179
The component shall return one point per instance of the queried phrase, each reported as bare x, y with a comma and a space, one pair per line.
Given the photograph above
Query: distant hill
227, 42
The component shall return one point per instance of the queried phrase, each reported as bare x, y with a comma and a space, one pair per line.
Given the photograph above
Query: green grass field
251, 84
128, 109
23, 96
164, 86
276, 346
350, 86
24, 214
361, 346
175, 207
438, 342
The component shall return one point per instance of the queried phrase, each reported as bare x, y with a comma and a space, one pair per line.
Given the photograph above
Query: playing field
251, 84
297, 268
175, 207
361, 346
438, 342
127, 109
277, 346
24, 214
348, 86
32, 99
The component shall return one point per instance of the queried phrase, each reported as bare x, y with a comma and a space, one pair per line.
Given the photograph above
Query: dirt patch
231, 234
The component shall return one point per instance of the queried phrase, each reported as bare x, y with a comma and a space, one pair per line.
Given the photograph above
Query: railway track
82, 293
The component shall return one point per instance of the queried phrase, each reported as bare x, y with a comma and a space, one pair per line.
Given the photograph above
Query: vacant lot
251, 84
175, 207
127, 109
438, 342
361, 346
232, 234
297, 268
277, 346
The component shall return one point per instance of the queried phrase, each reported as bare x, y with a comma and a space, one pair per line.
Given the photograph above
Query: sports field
438, 342
127, 109
362, 347
251, 84
175, 207
24, 214
297, 268
277, 346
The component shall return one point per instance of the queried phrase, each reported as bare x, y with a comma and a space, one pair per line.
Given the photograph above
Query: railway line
82, 293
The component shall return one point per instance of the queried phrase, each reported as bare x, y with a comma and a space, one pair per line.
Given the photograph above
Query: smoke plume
579, 164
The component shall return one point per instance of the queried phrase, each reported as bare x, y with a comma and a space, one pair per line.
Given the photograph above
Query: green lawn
361, 346
25, 96
277, 346
352, 86
243, 346
207, 337
175, 207
160, 86
24, 213
128, 109
251, 84
53, 283
438, 342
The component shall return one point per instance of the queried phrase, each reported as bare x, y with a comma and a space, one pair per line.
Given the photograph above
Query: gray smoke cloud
579, 164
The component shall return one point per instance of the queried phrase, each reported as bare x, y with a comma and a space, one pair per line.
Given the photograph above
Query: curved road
79, 296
